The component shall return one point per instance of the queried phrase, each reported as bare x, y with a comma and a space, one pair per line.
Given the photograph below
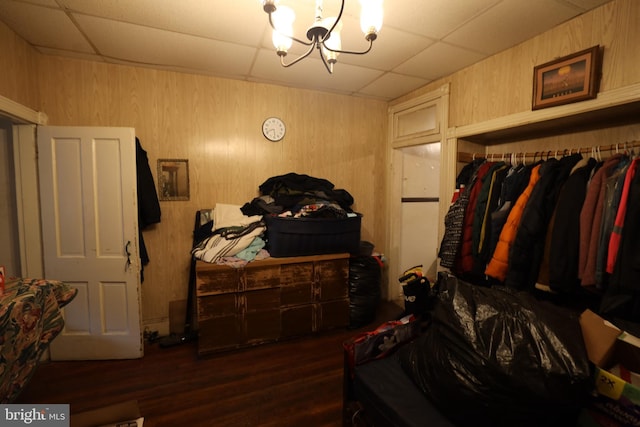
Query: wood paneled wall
17, 69
216, 124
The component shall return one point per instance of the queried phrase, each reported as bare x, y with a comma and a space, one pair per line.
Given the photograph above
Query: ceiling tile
437, 61
311, 73
496, 29
163, 48
206, 18
391, 86
390, 48
43, 26
433, 18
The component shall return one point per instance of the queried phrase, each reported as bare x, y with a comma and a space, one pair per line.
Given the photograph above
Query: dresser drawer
270, 300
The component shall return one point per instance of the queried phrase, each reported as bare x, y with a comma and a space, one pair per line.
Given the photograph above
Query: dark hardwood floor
290, 383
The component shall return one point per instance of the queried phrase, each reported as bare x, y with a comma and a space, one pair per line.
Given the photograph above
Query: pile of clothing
295, 195
230, 237
234, 235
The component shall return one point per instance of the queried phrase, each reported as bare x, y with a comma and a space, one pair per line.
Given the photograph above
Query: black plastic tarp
497, 357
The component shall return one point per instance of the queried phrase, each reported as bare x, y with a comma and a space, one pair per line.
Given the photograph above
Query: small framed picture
569, 79
173, 179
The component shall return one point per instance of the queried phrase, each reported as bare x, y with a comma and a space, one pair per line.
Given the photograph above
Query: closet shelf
617, 107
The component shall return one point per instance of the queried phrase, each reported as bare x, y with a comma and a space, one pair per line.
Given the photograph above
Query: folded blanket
228, 242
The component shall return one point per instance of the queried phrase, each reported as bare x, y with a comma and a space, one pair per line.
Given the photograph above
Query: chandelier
324, 33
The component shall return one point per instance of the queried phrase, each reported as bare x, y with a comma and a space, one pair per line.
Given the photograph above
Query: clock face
273, 129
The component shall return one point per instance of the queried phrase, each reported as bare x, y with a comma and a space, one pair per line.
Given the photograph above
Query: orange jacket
499, 264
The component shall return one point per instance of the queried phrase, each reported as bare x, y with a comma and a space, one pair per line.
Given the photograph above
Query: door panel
89, 221
67, 214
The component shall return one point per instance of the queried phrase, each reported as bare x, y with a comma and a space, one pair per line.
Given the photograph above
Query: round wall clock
273, 129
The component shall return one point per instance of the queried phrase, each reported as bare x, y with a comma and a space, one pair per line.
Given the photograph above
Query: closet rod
465, 157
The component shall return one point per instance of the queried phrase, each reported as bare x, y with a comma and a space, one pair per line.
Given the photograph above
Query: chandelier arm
334, 23
286, 35
295, 61
349, 51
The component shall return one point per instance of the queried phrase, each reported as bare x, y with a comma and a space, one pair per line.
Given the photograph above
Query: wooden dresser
270, 300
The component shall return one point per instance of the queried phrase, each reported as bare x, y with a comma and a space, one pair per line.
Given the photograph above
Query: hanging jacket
612, 194
591, 219
565, 234
453, 220
148, 204
497, 267
616, 233
512, 187
543, 273
622, 298
452, 237
527, 249
464, 260
487, 203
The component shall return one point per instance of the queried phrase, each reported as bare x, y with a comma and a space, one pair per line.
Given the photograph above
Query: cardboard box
613, 352
125, 414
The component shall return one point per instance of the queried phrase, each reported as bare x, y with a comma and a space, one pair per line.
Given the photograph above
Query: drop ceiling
420, 41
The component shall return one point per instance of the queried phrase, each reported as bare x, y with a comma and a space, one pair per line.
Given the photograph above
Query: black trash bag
365, 277
494, 357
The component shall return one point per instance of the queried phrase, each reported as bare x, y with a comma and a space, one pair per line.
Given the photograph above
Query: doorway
419, 174
421, 169
20, 169
10, 247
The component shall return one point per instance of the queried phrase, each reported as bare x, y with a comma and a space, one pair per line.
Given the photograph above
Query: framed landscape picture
569, 79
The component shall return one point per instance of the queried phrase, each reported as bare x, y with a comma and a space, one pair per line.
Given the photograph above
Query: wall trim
21, 114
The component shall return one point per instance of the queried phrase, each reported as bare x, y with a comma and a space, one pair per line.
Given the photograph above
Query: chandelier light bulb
283, 19
371, 18
334, 42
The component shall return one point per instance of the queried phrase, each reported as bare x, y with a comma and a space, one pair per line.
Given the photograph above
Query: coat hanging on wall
148, 204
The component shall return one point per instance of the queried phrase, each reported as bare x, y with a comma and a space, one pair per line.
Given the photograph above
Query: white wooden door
89, 213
